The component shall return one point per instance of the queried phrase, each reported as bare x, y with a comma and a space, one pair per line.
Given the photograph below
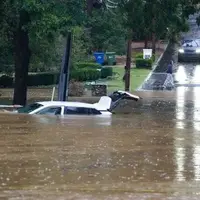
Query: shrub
6, 81
91, 65
7, 69
143, 63
106, 71
38, 79
76, 88
140, 55
85, 74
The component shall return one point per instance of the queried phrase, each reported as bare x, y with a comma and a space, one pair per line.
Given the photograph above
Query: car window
50, 110
29, 108
76, 110
190, 43
80, 111
95, 112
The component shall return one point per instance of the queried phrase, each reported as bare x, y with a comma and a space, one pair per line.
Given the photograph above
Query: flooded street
148, 151
151, 153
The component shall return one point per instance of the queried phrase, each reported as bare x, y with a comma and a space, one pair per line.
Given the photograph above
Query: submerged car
104, 107
189, 51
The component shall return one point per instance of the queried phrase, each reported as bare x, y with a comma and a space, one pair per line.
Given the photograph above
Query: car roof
66, 103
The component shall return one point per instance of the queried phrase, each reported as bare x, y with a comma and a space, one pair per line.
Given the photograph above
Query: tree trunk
146, 43
128, 65
22, 59
153, 36
89, 7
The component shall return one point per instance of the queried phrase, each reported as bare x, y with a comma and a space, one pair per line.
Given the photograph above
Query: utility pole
128, 62
63, 86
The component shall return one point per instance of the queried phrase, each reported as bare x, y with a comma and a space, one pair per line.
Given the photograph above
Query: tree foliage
32, 31
107, 32
170, 16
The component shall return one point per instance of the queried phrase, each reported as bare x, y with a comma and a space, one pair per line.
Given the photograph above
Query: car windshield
190, 43
29, 108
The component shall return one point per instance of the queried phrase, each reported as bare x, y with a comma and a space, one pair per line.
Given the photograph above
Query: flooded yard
151, 153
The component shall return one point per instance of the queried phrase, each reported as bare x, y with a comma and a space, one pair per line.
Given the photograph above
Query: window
29, 108
51, 111
80, 111
95, 112
190, 43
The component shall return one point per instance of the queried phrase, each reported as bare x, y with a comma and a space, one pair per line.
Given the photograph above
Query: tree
27, 22
103, 35
132, 15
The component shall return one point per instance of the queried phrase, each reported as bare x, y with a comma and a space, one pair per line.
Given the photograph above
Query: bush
52, 78
82, 65
85, 74
43, 79
106, 71
6, 81
143, 63
76, 88
140, 55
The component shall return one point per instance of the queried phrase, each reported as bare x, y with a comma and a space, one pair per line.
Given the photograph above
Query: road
188, 74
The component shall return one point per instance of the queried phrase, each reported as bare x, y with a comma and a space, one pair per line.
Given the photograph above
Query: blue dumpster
99, 57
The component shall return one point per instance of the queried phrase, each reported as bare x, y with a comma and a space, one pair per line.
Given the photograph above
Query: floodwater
151, 153
187, 74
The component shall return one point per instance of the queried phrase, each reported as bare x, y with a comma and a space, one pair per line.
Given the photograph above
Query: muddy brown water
151, 153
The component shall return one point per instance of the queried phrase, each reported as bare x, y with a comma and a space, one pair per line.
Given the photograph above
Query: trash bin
99, 57
111, 58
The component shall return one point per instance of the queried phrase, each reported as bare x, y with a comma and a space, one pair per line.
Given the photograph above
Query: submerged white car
104, 107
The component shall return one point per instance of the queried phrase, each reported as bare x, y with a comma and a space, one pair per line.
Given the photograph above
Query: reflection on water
180, 106
195, 74
179, 147
151, 153
196, 112
181, 75
186, 142
72, 120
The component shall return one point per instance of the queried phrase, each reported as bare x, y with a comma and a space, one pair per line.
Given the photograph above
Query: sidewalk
158, 76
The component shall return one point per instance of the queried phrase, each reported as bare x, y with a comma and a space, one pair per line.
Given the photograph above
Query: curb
153, 68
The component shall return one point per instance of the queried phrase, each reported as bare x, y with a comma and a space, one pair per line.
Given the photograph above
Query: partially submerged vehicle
105, 106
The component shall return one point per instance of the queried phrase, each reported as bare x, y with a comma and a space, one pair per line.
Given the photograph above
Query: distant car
189, 51
104, 107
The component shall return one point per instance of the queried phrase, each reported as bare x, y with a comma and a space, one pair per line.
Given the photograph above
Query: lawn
137, 78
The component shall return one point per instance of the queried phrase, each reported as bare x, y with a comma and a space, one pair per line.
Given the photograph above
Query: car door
51, 110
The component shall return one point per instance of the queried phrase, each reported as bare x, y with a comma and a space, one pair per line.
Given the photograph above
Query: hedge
6, 81
52, 78
33, 79
85, 74
91, 65
140, 55
106, 71
47, 78
143, 63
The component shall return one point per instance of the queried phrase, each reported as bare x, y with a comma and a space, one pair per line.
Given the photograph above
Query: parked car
189, 51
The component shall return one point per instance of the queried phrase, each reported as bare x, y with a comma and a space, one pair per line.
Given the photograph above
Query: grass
116, 83
137, 78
